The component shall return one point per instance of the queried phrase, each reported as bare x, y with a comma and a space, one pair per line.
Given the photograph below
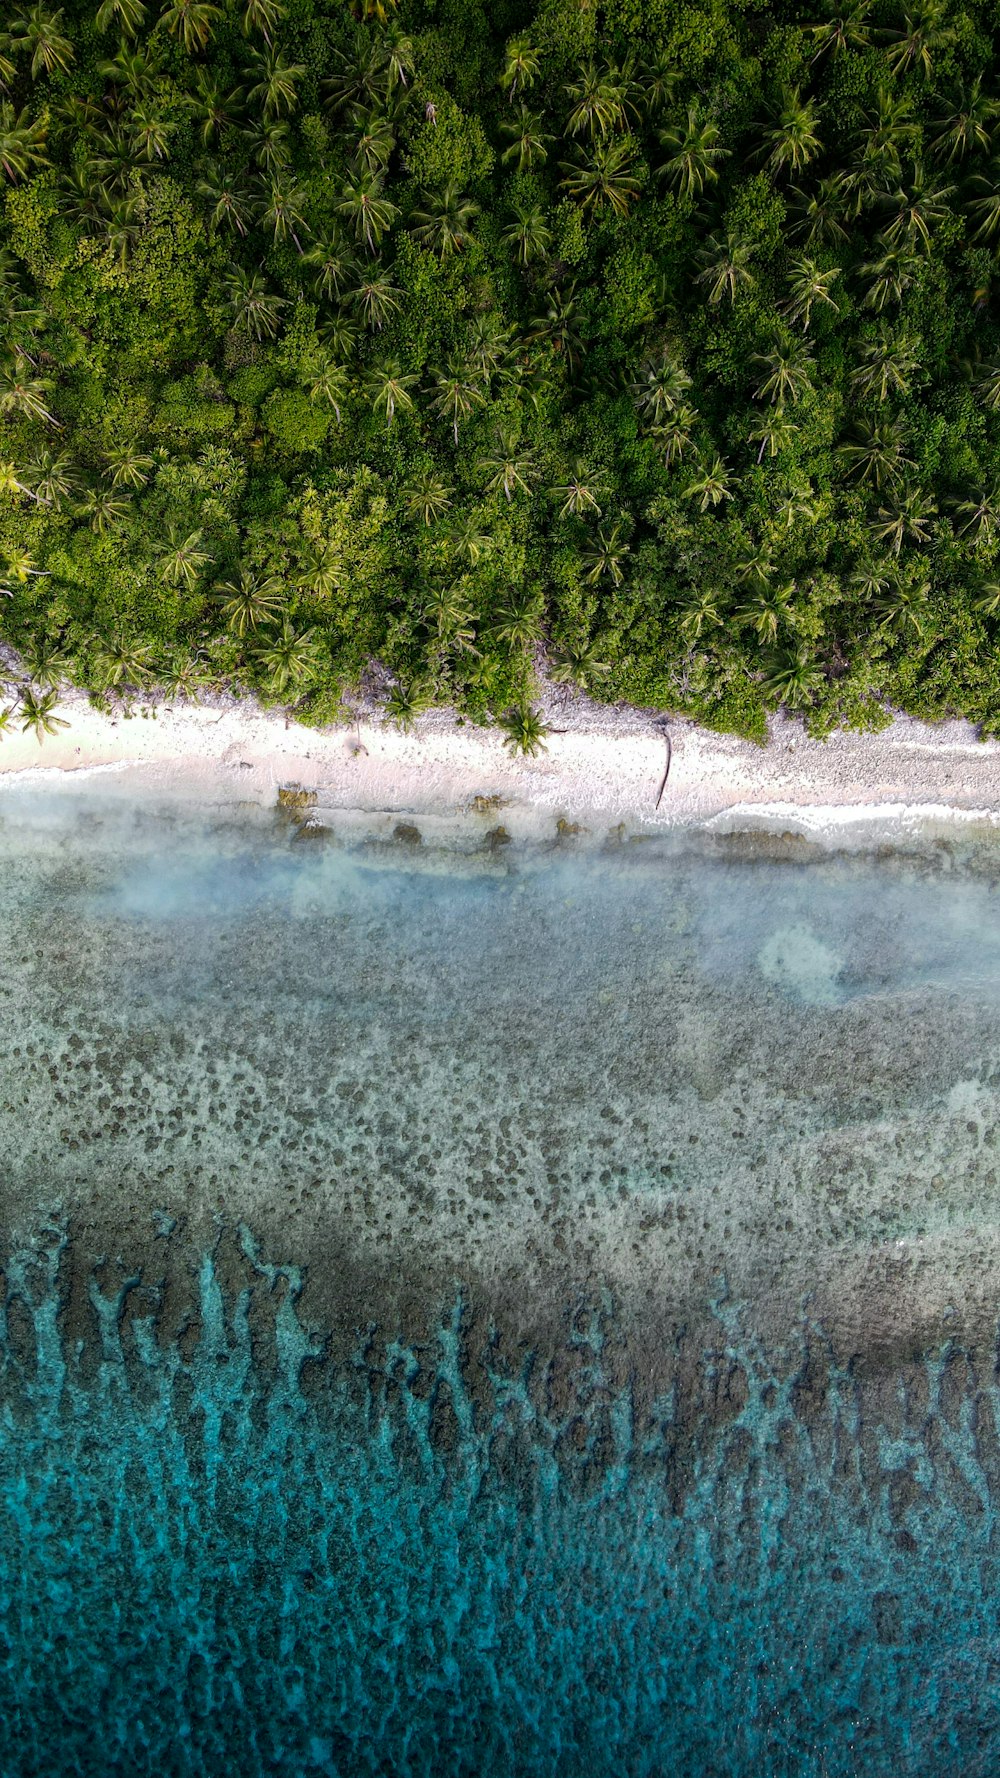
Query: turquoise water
527, 1313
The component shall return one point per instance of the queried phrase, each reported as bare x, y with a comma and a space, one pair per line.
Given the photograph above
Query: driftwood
670, 752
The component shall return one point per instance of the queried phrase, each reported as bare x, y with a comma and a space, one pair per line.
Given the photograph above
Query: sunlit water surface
526, 1313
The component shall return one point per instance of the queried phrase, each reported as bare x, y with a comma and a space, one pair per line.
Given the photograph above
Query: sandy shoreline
603, 766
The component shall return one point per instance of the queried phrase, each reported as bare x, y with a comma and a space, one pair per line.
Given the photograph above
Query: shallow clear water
529, 1313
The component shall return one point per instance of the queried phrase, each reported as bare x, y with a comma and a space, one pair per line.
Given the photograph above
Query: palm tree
456, 393
56, 478
340, 334
787, 368
262, 15
254, 308
283, 213
122, 660
579, 665
250, 601
524, 731
529, 142
190, 21
276, 83
509, 468
182, 558
982, 516
488, 346
521, 67
603, 177
518, 624
908, 518
46, 662
363, 76
693, 154
659, 389
903, 604
426, 497
272, 144
773, 431
604, 558
528, 234
444, 222
888, 364
326, 382
322, 571
598, 101
919, 209
370, 213
876, 453
22, 141
987, 208
23, 394
675, 437
557, 325
10, 483
39, 31
389, 388
711, 485
126, 14
890, 277
335, 264
375, 142
290, 658
820, 210
104, 508
579, 493
807, 286
765, 610
726, 266
966, 127
467, 538
228, 200
923, 32
986, 382
184, 677
845, 28
407, 700
38, 713
792, 141
700, 612
150, 131
793, 677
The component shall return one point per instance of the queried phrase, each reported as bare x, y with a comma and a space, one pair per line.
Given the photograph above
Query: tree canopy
657, 334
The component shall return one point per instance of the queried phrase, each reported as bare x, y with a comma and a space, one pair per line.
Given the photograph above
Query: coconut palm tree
254, 309
249, 602
509, 468
182, 558
227, 198
374, 144
890, 277
468, 539
369, 211
275, 90
700, 612
290, 658
557, 325
23, 394
981, 515
123, 660
192, 22
766, 609
407, 700
56, 478
322, 571
521, 66
528, 234
888, 363
128, 15
22, 141
104, 508
362, 74
845, 27
579, 493
529, 141
918, 209
792, 141
283, 213
149, 131
787, 372
262, 15
518, 624
271, 145
675, 438
599, 101
444, 222
579, 665
807, 287
966, 125
772, 431
389, 388
923, 33
38, 712
11, 483
426, 497
335, 264
457, 393
876, 453
46, 662
603, 558
602, 177
907, 519
711, 484
326, 382
793, 677
725, 262
694, 151
524, 731
39, 32
821, 211
660, 388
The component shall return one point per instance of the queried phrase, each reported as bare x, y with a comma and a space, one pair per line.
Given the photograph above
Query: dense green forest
657, 338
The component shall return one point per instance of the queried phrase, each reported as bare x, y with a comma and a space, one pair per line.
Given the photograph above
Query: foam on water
520, 1315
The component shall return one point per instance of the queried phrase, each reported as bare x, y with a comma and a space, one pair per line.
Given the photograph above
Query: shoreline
602, 769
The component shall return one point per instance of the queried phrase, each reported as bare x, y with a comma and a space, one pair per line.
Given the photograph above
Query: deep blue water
534, 1319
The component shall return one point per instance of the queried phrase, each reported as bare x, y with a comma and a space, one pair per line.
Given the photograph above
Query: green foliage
662, 337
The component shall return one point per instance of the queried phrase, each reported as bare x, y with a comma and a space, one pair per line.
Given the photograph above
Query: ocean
521, 1308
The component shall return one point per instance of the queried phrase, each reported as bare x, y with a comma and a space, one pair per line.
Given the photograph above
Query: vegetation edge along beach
655, 342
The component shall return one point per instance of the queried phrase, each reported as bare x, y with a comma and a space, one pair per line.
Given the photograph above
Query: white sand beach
603, 766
